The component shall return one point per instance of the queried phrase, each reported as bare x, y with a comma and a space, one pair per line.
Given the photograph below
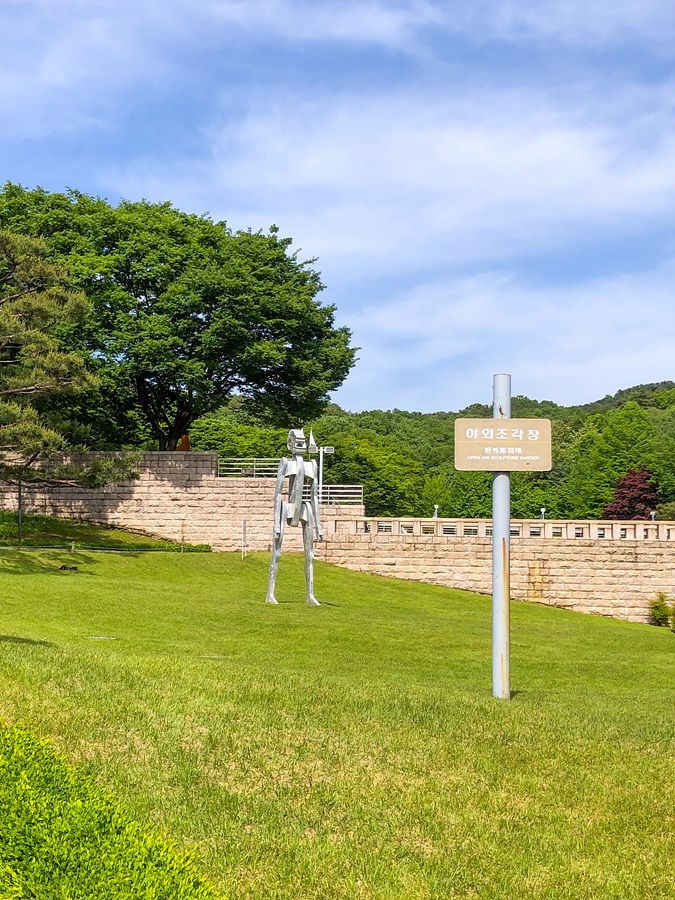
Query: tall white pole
501, 561
321, 449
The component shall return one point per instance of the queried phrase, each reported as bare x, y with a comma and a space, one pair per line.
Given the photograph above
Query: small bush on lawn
662, 612
62, 836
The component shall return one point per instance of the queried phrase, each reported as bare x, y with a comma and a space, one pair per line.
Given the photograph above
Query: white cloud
395, 189
414, 183
438, 345
389, 22
67, 68
70, 65
353, 21
400, 182
573, 21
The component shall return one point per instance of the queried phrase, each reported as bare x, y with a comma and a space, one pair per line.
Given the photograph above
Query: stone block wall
609, 578
178, 496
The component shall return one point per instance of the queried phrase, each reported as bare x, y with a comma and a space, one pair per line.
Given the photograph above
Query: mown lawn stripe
352, 750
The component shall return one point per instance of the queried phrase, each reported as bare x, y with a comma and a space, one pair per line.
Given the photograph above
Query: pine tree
36, 305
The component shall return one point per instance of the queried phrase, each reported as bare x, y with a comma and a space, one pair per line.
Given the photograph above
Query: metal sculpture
295, 510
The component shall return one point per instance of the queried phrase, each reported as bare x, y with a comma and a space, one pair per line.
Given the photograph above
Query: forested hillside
405, 459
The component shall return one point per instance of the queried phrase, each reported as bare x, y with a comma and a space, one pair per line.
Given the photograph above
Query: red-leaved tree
635, 496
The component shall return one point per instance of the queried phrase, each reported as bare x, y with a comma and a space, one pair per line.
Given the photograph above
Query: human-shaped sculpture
295, 510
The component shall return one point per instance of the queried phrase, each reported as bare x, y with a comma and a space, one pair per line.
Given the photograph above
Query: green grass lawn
48, 531
354, 750
62, 836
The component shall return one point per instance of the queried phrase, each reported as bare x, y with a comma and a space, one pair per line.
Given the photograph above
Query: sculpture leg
308, 541
274, 564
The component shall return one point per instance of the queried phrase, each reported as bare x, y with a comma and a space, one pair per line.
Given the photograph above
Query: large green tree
186, 312
607, 446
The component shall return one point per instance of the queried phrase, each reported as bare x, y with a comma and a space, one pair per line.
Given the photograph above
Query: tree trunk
19, 507
170, 441
184, 417
176, 431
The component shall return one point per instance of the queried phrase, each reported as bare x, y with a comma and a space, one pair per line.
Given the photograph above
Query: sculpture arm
314, 500
278, 495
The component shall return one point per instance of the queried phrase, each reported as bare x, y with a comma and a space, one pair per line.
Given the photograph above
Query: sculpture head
297, 442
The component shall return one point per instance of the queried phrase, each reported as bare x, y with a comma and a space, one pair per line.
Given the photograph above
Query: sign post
502, 445
501, 559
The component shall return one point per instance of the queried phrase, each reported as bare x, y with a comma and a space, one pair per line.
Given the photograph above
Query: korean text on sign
501, 445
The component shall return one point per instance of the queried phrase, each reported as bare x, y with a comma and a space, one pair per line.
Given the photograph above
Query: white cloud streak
402, 182
71, 65
68, 66
352, 21
393, 22
72, 73
438, 345
598, 23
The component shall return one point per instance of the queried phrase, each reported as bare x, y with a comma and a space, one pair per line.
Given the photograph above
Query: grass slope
48, 531
62, 836
350, 751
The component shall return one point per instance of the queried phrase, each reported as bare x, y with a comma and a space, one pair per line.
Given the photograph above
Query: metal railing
266, 467
248, 467
339, 494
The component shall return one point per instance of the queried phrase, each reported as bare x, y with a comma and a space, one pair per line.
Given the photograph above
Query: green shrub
666, 511
62, 836
662, 612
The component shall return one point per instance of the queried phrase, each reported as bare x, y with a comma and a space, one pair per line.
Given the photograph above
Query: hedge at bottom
62, 837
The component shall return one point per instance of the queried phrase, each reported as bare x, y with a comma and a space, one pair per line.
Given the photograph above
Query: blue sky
488, 184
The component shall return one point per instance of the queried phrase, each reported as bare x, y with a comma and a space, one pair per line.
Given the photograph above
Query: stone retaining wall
616, 579
178, 496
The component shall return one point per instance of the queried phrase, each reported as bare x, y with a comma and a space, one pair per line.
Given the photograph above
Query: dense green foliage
405, 460
662, 611
185, 313
34, 301
353, 750
62, 836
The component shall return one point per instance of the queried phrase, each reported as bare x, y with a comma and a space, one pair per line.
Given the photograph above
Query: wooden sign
503, 445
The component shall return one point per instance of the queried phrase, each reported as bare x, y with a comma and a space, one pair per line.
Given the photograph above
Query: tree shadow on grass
14, 639
26, 562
